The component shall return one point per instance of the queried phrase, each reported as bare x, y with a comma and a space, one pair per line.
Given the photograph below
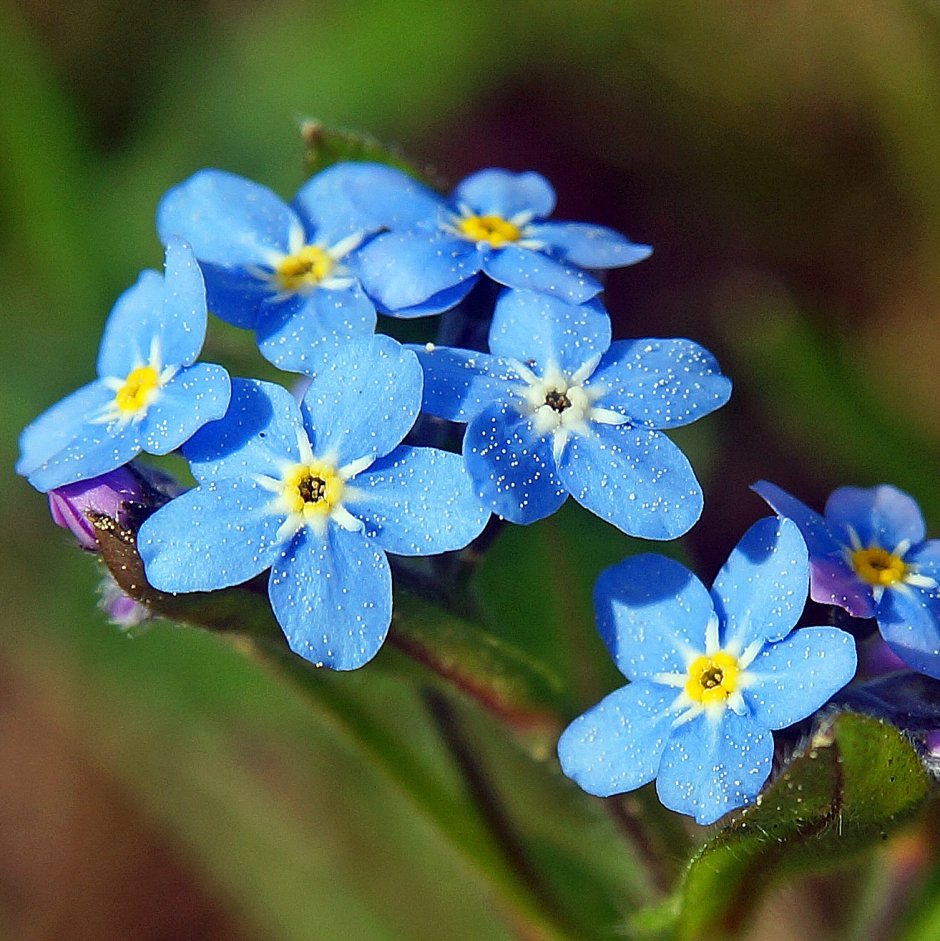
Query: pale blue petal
257, 435
761, 590
635, 478
364, 197
194, 396
528, 270
364, 399
791, 679
418, 501
220, 534
541, 330
403, 269
95, 450
909, 621
294, 336
589, 246
512, 468
660, 383
925, 558
182, 327
881, 516
435, 304
711, 767
131, 326
332, 596
60, 424
617, 745
459, 384
652, 613
506, 194
235, 296
228, 220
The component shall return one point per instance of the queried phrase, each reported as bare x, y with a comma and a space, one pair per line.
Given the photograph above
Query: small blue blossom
150, 396
494, 222
711, 674
286, 272
318, 492
555, 408
869, 555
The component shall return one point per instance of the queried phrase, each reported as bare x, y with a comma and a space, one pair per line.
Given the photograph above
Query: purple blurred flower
120, 608
868, 554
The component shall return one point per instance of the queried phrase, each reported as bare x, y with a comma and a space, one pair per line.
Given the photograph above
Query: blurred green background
782, 159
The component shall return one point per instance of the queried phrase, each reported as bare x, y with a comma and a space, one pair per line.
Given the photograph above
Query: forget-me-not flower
151, 394
318, 492
868, 554
286, 272
711, 674
556, 408
494, 222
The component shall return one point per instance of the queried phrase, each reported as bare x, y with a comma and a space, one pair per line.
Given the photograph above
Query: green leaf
857, 781
324, 146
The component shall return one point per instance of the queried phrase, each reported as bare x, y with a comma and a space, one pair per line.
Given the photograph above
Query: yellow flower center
878, 566
712, 679
312, 489
304, 269
138, 389
493, 229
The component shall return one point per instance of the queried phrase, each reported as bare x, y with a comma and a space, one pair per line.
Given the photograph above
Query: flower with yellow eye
151, 394
317, 492
711, 674
868, 554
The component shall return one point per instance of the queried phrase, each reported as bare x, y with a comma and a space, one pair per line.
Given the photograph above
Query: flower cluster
323, 494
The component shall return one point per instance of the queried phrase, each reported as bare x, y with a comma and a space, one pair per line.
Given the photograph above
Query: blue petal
229, 221
660, 383
816, 532
366, 197
217, 535
194, 396
652, 613
909, 621
761, 590
60, 424
832, 580
363, 400
459, 384
257, 435
435, 304
333, 597
617, 745
512, 468
403, 269
791, 679
711, 767
293, 335
589, 246
541, 330
529, 270
635, 478
926, 558
506, 194
131, 325
234, 295
418, 501
166, 315
95, 450
881, 516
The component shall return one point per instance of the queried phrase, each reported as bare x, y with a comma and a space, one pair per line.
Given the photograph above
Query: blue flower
869, 555
286, 272
711, 674
555, 408
151, 395
494, 222
317, 492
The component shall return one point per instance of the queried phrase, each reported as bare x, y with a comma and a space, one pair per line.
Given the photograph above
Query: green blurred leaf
858, 780
324, 146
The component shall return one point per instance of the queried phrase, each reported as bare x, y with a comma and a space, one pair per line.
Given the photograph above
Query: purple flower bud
120, 608
107, 494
